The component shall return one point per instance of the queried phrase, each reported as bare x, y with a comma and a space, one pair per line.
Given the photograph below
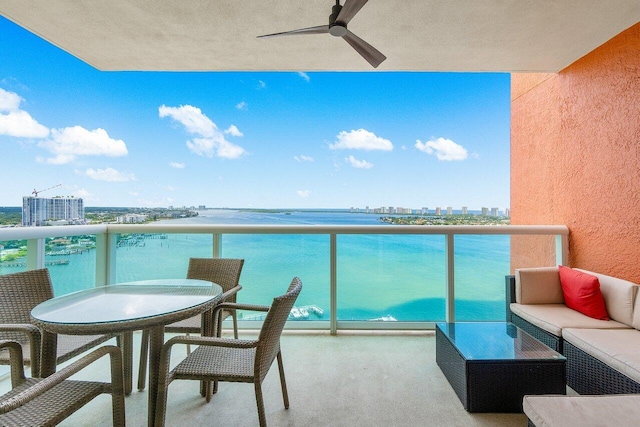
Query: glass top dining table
121, 309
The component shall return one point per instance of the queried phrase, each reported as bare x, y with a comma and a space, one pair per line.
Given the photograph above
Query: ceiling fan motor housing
336, 29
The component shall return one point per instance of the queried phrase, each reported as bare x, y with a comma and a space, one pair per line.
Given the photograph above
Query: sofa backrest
540, 285
619, 297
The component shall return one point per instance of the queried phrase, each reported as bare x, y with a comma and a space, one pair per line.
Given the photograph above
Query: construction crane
35, 192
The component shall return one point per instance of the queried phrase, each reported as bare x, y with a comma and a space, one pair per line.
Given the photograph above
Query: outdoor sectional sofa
603, 356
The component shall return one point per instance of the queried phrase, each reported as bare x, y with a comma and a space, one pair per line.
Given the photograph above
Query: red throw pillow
582, 293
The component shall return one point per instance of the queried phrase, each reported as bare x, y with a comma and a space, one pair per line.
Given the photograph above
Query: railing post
562, 249
333, 286
450, 314
35, 254
106, 246
217, 242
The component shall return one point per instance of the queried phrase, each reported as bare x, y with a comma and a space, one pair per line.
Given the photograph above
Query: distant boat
296, 314
303, 312
387, 318
315, 310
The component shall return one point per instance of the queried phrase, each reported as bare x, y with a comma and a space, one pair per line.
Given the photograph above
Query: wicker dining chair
48, 401
222, 271
19, 294
219, 359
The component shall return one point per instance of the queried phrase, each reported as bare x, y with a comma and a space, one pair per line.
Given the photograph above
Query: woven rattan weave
19, 294
48, 401
217, 359
222, 271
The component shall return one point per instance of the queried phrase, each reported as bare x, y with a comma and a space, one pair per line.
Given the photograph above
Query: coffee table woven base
486, 385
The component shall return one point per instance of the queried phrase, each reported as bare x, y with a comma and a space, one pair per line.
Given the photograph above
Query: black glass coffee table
492, 365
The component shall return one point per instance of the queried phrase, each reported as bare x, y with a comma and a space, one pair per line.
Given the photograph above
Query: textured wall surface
575, 157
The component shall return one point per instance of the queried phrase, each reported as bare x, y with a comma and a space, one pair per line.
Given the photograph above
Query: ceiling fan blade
320, 29
368, 52
349, 10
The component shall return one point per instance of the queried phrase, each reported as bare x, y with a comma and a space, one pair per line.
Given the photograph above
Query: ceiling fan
338, 20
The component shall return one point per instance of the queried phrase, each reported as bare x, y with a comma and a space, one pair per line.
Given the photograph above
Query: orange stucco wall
575, 158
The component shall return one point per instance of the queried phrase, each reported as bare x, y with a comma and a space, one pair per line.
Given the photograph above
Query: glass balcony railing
355, 277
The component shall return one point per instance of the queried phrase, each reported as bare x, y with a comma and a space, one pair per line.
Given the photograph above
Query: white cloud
361, 139
242, 106
60, 159
360, 164
444, 149
68, 143
304, 75
82, 193
233, 131
192, 118
303, 158
304, 193
177, 165
229, 151
171, 188
211, 141
16, 122
109, 174
202, 146
9, 101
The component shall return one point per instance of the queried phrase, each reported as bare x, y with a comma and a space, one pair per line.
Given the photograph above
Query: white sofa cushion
619, 297
583, 411
617, 348
554, 318
542, 286
538, 286
636, 314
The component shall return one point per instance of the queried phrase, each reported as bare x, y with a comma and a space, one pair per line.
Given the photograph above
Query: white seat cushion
583, 411
554, 318
617, 348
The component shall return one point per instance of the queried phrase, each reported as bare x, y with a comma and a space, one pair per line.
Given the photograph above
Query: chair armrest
15, 361
211, 341
27, 328
230, 293
35, 342
236, 306
56, 378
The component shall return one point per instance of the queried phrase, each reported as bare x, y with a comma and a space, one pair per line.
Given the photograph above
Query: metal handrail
106, 236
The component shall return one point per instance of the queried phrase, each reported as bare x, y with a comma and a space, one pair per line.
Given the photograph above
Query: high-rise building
464, 210
38, 211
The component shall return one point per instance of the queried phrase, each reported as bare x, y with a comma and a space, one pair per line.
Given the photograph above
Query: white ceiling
415, 35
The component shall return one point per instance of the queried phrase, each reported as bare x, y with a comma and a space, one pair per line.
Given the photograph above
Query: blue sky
248, 139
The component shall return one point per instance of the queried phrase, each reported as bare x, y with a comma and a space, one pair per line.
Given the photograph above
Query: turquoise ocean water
378, 275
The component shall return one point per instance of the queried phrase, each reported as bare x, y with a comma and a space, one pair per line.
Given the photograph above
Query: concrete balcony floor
352, 379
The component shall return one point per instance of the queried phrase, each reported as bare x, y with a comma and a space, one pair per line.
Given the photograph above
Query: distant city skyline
248, 139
